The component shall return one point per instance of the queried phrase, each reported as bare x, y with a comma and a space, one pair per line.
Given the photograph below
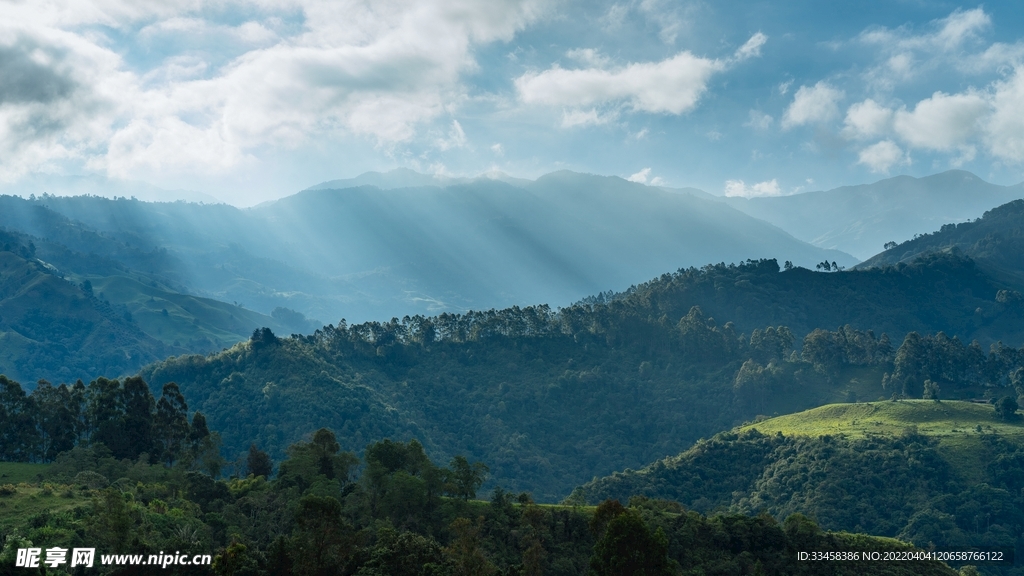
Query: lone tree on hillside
1006, 407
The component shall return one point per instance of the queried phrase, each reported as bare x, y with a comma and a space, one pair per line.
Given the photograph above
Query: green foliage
1006, 407
995, 241
628, 548
852, 468
257, 527
117, 421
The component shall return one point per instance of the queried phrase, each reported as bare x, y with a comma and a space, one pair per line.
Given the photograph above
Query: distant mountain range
402, 243
389, 249
860, 219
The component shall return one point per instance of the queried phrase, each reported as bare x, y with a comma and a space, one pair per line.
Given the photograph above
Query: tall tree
19, 439
324, 541
58, 418
171, 424
466, 478
138, 419
629, 548
258, 462
104, 415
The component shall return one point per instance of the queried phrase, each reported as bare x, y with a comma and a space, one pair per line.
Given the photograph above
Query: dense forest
524, 404
325, 511
905, 486
551, 398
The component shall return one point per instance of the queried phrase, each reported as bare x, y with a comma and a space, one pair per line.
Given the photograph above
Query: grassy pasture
960, 427
22, 496
18, 472
948, 418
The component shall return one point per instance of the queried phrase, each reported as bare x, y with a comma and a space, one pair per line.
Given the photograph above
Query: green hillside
400, 513
553, 398
995, 241
65, 315
51, 328
946, 473
945, 419
183, 320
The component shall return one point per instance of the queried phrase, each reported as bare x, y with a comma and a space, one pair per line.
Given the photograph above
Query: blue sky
249, 101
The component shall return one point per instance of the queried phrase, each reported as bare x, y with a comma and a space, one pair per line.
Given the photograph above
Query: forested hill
550, 398
67, 312
995, 241
943, 473
940, 292
51, 328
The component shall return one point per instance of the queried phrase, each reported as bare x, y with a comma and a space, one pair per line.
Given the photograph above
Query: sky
250, 101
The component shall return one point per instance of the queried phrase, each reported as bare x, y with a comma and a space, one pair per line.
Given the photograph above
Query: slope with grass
942, 420
948, 473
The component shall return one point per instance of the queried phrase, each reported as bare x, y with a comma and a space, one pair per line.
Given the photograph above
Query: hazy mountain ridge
367, 252
859, 219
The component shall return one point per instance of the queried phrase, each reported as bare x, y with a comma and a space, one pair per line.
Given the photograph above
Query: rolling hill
550, 398
60, 325
995, 241
943, 473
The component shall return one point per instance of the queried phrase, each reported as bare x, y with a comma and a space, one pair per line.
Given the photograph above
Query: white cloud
355, 67
641, 176
882, 156
456, 137
1005, 127
943, 121
739, 188
671, 86
867, 119
813, 104
947, 34
959, 123
752, 47
784, 87
906, 55
759, 120
59, 98
658, 181
588, 57
574, 118
498, 149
